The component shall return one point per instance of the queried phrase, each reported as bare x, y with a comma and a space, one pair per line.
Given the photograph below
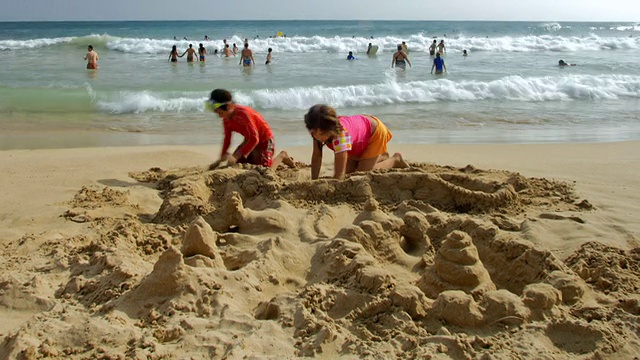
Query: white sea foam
513, 88
32, 43
319, 44
635, 27
418, 42
551, 27
140, 102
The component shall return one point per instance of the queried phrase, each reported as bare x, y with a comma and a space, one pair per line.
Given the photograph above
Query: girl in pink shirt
359, 142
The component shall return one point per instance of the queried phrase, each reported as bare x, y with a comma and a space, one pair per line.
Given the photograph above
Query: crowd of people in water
246, 54
400, 58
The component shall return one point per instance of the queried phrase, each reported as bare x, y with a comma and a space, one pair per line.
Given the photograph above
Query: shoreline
78, 139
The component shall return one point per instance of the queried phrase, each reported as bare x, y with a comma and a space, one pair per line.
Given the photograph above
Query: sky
505, 10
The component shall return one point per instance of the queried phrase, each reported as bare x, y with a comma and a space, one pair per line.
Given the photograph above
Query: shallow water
509, 88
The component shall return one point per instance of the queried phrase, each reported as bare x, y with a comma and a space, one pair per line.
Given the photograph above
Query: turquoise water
509, 88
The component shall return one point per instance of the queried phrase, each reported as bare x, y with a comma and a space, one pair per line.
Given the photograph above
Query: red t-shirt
248, 123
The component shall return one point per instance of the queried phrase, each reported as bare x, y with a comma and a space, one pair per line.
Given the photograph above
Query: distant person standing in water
92, 58
441, 48
235, 49
226, 51
400, 59
350, 56
405, 48
191, 53
432, 48
202, 52
438, 64
464, 52
173, 55
369, 48
246, 56
268, 57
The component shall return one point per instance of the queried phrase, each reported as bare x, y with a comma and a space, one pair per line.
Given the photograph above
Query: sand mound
242, 262
608, 269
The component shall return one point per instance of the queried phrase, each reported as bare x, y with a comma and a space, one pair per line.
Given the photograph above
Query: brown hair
323, 117
221, 96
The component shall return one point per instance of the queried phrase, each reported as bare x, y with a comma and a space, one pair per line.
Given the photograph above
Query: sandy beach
475, 252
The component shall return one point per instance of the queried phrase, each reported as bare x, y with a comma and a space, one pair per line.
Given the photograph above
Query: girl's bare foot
399, 161
383, 157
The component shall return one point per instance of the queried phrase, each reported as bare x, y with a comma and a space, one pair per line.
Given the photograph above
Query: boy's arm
249, 131
227, 141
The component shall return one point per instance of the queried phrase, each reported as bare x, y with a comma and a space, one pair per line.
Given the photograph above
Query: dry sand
478, 251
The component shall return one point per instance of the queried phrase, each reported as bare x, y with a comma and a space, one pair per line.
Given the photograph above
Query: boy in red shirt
258, 145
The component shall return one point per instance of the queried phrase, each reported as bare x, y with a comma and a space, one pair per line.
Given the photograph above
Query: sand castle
243, 262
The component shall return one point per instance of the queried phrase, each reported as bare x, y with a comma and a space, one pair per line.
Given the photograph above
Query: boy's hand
214, 165
230, 159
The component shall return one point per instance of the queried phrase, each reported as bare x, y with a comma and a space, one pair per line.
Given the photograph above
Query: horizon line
267, 20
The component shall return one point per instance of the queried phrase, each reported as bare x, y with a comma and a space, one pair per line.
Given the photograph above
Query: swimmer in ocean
202, 52
438, 64
191, 53
562, 63
246, 56
173, 55
432, 48
268, 57
92, 58
400, 59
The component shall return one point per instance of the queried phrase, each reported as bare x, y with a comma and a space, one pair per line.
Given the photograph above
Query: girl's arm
316, 160
340, 165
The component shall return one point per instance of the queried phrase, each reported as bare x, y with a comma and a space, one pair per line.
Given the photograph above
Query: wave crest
511, 88
318, 44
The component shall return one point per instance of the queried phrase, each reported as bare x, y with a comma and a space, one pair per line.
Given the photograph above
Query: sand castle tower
456, 267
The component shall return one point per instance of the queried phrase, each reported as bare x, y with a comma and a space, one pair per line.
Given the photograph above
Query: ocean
509, 88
